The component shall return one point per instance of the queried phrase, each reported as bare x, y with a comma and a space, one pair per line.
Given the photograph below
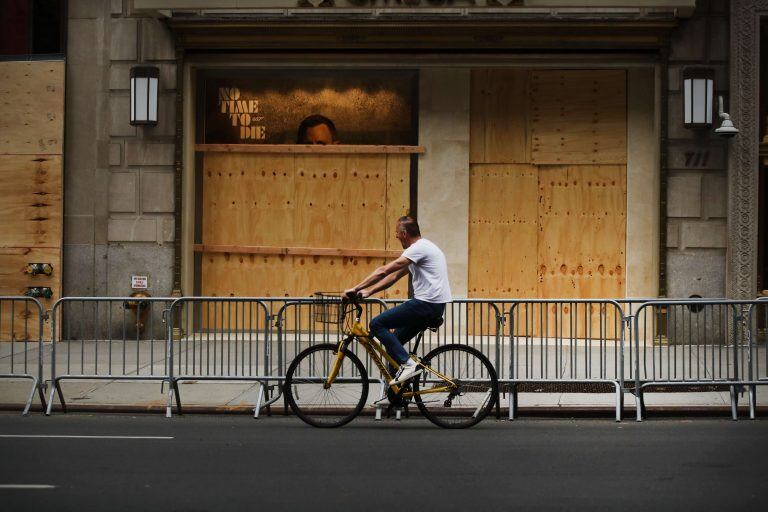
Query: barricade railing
108, 338
697, 345
21, 343
297, 326
566, 345
477, 323
219, 339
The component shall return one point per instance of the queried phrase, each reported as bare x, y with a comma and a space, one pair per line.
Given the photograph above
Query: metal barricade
574, 346
697, 345
21, 343
296, 328
477, 323
108, 338
220, 339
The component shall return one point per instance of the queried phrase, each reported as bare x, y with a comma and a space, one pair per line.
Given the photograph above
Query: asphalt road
197, 463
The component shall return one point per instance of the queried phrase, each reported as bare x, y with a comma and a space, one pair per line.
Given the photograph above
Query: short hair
311, 122
409, 225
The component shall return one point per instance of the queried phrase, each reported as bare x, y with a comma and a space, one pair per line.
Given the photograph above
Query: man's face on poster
320, 134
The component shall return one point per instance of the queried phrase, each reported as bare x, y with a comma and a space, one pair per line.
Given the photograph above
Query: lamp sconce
698, 95
726, 129
144, 88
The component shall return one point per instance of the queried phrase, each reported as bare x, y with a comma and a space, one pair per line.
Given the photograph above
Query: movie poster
267, 106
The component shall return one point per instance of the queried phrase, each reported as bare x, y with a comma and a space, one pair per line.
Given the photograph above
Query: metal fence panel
21, 343
566, 345
219, 339
703, 345
108, 338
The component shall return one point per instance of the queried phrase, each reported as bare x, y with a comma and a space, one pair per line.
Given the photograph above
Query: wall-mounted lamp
698, 91
726, 127
144, 85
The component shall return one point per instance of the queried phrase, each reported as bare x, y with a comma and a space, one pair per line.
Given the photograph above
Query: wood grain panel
30, 203
502, 230
275, 202
32, 109
589, 201
578, 117
14, 282
499, 116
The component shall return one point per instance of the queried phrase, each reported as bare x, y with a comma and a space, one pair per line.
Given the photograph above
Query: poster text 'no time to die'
242, 112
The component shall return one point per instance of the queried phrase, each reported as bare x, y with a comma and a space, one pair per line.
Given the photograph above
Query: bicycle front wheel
313, 400
468, 397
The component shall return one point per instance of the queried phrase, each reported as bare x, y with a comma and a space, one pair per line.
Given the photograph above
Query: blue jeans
408, 319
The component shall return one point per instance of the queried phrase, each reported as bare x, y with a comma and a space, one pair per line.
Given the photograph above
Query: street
232, 462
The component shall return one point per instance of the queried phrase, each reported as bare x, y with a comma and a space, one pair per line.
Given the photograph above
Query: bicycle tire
483, 384
325, 414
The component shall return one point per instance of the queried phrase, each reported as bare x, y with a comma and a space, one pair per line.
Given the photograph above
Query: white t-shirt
429, 271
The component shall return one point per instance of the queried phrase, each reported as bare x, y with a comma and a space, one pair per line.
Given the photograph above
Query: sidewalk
247, 358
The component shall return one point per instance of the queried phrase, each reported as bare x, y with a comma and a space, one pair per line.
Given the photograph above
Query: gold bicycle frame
377, 351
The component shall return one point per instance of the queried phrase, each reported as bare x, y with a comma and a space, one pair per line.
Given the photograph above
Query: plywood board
499, 116
503, 231
297, 200
32, 107
578, 117
589, 201
14, 282
30, 203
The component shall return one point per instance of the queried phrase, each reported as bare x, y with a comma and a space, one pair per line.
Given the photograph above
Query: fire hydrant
139, 308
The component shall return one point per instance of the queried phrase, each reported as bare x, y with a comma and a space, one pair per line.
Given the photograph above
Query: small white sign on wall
139, 282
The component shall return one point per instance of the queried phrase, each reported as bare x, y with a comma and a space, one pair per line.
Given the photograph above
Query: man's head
316, 129
407, 231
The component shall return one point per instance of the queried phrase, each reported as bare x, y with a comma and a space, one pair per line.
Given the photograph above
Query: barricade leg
173, 390
639, 405
752, 401
734, 403
55, 389
41, 393
382, 394
618, 402
512, 402
31, 397
259, 399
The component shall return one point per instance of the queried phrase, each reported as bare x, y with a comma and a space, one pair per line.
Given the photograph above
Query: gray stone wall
697, 162
118, 189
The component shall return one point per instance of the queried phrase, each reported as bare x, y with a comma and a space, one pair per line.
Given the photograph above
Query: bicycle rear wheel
306, 392
473, 397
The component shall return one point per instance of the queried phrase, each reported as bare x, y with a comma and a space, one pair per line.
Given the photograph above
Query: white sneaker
407, 371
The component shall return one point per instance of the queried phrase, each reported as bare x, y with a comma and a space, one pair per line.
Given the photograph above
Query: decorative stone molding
743, 157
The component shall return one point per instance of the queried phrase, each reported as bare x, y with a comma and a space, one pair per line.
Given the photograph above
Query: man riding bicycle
431, 291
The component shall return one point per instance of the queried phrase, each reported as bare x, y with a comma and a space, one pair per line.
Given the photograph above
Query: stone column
443, 203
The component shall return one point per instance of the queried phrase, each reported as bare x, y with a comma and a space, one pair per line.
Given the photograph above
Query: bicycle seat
434, 323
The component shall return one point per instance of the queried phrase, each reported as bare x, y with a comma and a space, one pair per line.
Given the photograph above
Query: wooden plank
30, 205
578, 117
332, 211
248, 199
14, 282
32, 109
398, 195
295, 251
498, 116
365, 189
502, 231
321, 209
309, 148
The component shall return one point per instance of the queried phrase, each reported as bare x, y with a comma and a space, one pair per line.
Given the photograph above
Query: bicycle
327, 385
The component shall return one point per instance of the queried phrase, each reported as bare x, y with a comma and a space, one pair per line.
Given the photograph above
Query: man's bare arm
380, 273
386, 282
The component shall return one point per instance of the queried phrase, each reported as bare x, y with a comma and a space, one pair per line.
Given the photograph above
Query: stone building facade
122, 185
